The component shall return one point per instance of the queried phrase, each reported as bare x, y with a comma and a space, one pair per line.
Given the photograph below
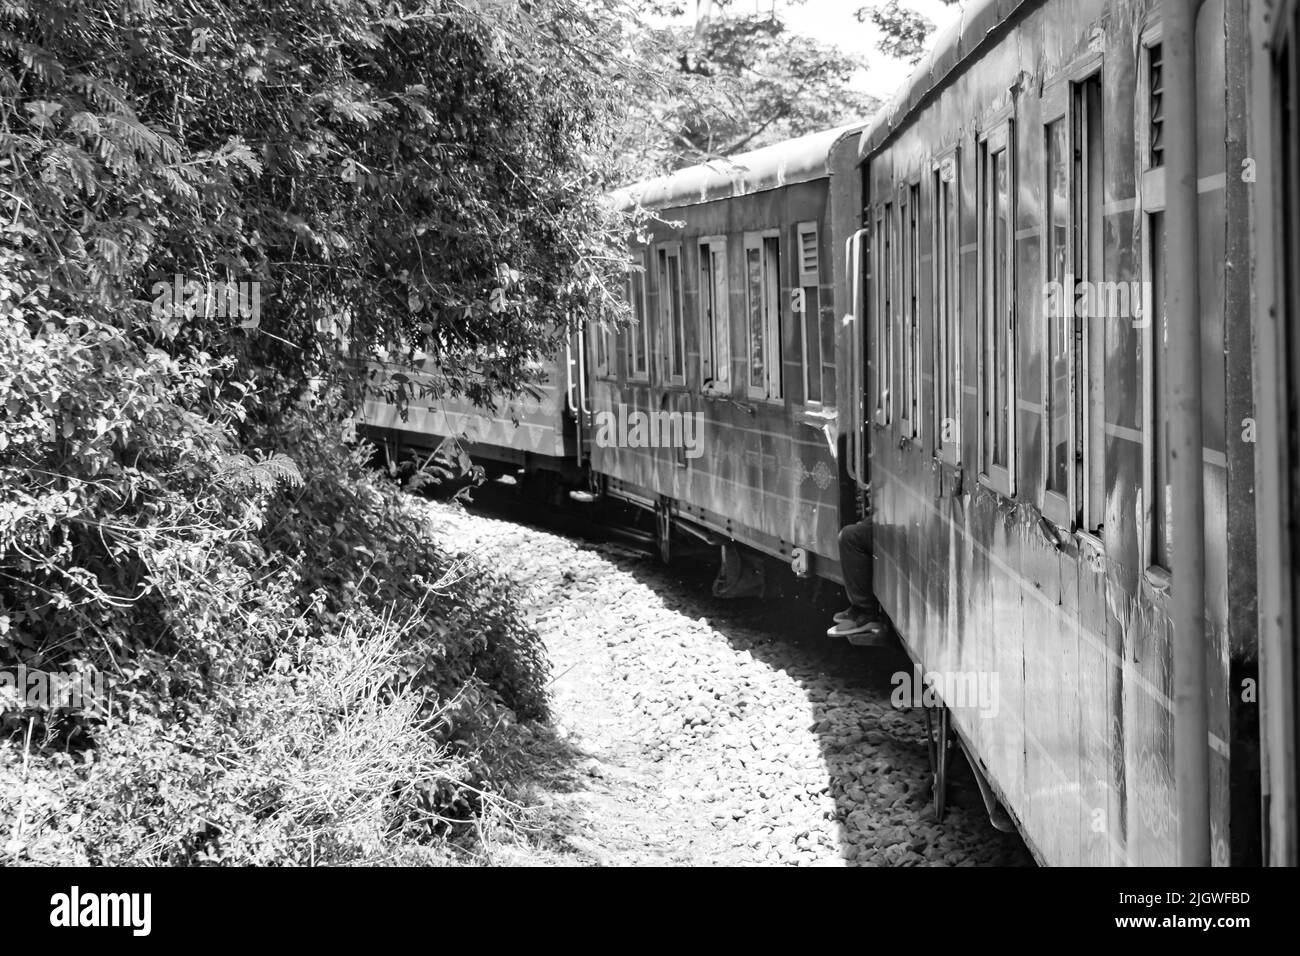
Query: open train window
715, 316
672, 325
945, 240
883, 338
636, 338
909, 319
763, 313
1074, 307
997, 317
818, 367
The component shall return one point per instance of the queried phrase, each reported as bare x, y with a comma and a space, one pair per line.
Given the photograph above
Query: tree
426, 173
904, 31
731, 82
417, 178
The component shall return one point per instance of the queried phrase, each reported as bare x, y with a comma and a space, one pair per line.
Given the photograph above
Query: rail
855, 462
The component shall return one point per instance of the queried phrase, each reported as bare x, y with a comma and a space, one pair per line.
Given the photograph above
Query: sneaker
845, 615
859, 624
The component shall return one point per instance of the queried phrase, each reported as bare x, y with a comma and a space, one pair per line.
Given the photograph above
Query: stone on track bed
718, 732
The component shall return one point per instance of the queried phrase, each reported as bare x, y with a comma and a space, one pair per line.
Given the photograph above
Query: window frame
1151, 200
799, 295
884, 303
909, 339
945, 252
639, 333
672, 335
600, 363
998, 136
1057, 505
772, 319
710, 328
1080, 507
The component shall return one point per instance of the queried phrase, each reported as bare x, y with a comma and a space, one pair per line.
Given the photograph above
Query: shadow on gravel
875, 756
877, 764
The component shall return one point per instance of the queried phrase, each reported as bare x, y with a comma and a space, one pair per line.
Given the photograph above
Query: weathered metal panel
1075, 629
535, 424
769, 467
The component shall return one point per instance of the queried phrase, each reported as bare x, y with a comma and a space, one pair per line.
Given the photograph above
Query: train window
884, 314
715, 321
1155, 410
671, 320
636, 338
807, 300
997, 304
1089, 256
1058, 393
600, 359
763, 314
909, 327
1159, 523
1074, 339
946, 251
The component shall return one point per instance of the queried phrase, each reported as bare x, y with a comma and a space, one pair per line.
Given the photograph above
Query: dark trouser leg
855, 562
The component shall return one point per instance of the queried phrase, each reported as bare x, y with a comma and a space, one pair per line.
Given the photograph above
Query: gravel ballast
717, 732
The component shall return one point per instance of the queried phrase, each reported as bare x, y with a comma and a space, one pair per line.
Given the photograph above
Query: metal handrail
855, 462
568, 375
582, 371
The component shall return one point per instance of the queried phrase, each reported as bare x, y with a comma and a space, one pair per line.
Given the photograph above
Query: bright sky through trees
833, 21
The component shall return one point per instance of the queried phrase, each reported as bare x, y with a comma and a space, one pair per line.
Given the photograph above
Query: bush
335, 710
299, 674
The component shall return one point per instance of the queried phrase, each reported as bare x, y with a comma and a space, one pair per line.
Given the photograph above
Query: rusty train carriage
536, 431
1011, 443
738, 298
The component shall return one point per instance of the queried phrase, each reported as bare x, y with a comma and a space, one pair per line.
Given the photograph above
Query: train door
583, 349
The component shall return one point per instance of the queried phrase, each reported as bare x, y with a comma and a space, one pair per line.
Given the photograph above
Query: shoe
845, 615
859, 624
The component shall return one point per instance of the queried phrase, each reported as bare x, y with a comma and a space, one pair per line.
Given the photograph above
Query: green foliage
333, 699
732, 83
903, 31
422, 175
299, 673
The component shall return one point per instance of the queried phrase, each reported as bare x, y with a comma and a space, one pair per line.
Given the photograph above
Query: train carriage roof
955, 45
799, 160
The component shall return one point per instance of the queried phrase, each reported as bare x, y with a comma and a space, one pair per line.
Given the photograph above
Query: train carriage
1021, 324
737, 298
536, 430
997, 319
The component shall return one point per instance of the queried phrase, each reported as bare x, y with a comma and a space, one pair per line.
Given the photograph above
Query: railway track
705, 731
